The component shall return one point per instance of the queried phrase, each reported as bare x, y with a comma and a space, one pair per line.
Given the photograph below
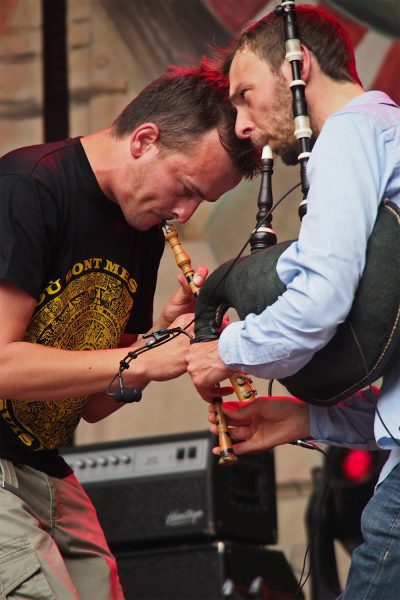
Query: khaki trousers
51, 543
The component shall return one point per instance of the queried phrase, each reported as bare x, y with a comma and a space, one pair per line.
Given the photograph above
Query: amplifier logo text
178, 518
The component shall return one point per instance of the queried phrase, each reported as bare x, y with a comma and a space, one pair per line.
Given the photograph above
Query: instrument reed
241, 383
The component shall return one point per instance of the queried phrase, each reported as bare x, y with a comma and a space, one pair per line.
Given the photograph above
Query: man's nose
185, 210
243, 126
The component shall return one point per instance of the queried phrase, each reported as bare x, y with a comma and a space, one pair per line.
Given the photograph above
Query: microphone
124, 394
128, 395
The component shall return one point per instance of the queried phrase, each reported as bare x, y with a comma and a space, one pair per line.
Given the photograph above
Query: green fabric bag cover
337, 370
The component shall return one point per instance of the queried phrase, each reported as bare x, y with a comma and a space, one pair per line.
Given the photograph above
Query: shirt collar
372, 97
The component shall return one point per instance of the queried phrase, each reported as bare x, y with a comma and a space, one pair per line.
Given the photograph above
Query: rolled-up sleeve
349, 423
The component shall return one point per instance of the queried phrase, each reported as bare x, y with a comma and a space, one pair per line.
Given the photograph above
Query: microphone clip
124, 394
157, 336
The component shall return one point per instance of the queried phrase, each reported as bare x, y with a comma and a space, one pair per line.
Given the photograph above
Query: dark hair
186, 103
318, 30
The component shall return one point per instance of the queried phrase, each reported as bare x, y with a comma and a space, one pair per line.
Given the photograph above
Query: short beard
290, 152
290, 149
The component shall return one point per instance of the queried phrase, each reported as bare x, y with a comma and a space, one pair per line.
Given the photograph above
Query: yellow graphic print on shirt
90, 313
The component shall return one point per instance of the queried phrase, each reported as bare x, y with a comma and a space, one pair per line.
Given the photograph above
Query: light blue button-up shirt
354, 164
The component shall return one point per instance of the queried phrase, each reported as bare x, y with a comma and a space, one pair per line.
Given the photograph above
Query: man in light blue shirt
354, 165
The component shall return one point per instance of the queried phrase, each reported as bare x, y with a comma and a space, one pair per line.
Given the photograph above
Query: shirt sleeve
349, 423
28, 218
322, 269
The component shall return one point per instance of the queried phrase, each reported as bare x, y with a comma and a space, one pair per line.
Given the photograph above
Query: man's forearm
36, 372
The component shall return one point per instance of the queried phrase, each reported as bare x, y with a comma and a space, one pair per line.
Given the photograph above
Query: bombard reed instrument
363, 344
241, 383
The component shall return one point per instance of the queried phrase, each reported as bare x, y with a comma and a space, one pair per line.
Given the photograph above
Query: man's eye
243, 94
188, 192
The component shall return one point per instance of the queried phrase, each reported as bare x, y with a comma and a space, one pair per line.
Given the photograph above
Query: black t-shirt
94, 277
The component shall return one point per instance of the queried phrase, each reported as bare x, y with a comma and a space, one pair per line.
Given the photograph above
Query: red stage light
357, 465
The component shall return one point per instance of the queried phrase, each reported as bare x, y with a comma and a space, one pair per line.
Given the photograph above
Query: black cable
301, 583
260, 224
365, 365
321, 504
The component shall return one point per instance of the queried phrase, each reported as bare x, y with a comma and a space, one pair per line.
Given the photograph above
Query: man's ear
306, 63
143, 138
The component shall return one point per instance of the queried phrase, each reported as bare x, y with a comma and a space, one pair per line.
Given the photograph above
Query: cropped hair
186, 103
318, 31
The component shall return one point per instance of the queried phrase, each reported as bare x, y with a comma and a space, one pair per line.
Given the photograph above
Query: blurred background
69, 66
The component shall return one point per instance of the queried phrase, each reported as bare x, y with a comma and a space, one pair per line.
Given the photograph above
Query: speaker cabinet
207, 571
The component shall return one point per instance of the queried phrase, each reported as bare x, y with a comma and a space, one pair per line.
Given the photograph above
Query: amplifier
172, 488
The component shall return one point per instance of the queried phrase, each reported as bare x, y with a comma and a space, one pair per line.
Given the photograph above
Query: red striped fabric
233, 14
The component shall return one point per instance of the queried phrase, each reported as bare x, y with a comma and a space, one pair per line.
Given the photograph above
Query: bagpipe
373, 324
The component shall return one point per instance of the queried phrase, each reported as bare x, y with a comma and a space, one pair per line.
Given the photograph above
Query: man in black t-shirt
79, 252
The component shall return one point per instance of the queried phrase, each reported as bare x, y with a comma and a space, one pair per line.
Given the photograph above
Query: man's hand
166, 361
183, 300
264, 423
207, 369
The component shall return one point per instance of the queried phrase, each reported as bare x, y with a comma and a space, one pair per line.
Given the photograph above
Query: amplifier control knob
91, 462
102, 461
180, 453
79, 464
114, 460
126, 459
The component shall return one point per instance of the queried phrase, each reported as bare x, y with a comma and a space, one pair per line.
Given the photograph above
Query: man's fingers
205, 393
246, 447
239, 422
235, 411
200, 275
213, 428
214, 391
240, 433
235, 405
236, 433
218, 391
